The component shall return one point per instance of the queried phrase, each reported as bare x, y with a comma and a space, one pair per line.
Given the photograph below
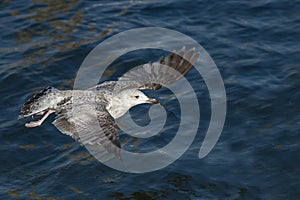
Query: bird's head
136, 97
121, 102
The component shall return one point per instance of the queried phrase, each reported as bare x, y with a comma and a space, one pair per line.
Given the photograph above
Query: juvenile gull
92, 112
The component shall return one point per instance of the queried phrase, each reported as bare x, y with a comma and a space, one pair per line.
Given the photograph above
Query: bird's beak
153, 101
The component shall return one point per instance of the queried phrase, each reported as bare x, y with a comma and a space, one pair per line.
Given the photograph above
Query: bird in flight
89, 115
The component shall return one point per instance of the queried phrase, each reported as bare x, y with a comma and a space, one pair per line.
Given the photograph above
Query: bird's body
89, 115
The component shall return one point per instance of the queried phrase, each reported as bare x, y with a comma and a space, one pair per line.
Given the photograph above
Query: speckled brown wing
90, 125
155, 75
166, 71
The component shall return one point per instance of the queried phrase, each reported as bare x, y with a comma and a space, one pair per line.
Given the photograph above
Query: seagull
88, 116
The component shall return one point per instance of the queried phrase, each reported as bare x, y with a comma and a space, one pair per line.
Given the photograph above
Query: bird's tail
36, 104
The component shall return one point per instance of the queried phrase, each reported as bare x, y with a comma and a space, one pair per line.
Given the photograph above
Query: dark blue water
256, 48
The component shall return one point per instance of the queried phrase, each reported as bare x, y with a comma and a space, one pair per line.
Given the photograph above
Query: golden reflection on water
74, 189
4, 2
29, 146
52, 27
55, 26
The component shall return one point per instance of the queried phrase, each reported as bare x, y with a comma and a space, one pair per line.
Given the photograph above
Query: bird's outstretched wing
154, 75
90, 125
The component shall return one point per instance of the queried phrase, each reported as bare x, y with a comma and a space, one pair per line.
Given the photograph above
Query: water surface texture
255, 45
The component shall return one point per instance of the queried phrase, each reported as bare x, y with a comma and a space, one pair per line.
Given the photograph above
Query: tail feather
31, 104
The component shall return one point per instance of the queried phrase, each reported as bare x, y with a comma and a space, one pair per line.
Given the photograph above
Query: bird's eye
137, 96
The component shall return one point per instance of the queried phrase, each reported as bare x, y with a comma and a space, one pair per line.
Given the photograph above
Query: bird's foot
38, 123
33, 124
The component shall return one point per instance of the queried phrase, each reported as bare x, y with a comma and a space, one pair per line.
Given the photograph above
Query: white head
126, 99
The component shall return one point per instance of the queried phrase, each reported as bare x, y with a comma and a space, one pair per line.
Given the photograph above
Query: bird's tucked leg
39, 122
41, 113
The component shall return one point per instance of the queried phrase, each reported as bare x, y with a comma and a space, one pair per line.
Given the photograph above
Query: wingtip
195, 57
118, 154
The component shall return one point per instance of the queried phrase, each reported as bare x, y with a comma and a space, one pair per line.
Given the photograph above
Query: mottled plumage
89, 115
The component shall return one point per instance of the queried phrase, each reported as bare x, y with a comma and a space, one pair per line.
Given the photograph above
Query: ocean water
255, 45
